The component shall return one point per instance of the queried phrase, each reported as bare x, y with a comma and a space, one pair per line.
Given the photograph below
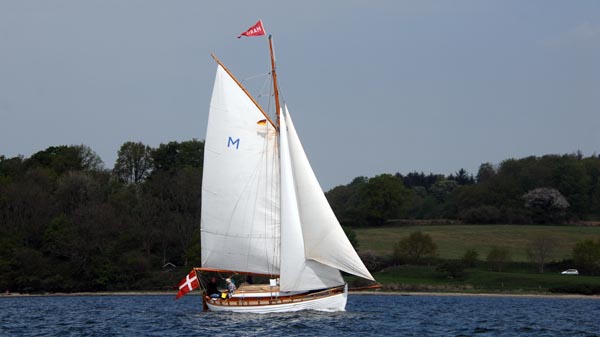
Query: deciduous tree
415, 247
498, 257
548, 204
540, 250
586, 256
134, 162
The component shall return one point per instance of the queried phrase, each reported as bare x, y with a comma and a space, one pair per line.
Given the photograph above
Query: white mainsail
240, 184
263, 210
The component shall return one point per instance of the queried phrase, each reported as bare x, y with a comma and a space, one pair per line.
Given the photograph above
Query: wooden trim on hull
332, 299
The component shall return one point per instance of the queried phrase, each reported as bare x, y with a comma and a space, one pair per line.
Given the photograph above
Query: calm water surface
366, 315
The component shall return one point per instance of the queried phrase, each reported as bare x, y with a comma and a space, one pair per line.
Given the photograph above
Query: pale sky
374, 86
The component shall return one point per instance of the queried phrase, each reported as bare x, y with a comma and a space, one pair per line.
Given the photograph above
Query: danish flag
255, 30
189, 283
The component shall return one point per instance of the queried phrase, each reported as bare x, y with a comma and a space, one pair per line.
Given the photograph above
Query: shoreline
459, 294
379, 293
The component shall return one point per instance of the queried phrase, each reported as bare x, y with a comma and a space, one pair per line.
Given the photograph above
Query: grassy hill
478, 280
453, 240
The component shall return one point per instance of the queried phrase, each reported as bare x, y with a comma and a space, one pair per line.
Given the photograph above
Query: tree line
69, 224
551, 189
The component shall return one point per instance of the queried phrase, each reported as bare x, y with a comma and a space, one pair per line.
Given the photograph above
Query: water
366, 315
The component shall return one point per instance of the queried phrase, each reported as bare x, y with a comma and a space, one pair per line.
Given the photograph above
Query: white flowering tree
547, 204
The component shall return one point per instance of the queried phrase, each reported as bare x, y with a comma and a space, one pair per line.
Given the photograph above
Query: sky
374, 86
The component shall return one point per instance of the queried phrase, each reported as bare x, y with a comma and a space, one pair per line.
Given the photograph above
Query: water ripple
366, 315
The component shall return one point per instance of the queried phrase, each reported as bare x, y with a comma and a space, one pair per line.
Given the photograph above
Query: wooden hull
332, 299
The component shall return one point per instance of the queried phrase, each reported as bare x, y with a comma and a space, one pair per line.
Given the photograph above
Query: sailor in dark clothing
211, 288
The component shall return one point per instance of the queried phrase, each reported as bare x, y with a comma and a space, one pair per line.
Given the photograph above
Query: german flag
262, 122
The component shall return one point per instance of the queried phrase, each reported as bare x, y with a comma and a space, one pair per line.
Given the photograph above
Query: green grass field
426, 278
453, 240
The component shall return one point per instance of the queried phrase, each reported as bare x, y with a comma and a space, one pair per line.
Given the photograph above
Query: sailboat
264, 212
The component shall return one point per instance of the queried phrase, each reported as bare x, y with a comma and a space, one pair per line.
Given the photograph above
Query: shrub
469, 259
586, 256
414, 248
584, 289
498, 257
452, 269
351, 235
517, 216
481, 215
373, 262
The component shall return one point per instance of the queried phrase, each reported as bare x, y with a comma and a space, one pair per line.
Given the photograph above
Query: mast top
275, 87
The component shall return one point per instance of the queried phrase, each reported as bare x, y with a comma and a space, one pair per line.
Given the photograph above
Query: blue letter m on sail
231, 142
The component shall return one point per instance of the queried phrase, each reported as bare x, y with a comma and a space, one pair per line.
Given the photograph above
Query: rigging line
269, 99
275, 190
275, 206
266, 85
266, 221
283, 99
260, 92
257, 195
255, 76
256, 179
274, 196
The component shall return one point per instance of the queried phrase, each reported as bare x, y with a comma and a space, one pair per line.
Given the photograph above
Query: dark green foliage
426, 278
481, 215
470, 258
583, 289
540, 250
443, 188
498, 257
586, 256
10, 167
134, 162
66, 224
415, 179
374, 262
368, 202
351, 234
452, 269
485, 173
462, 177
414, 248
507, 193
176, 155
61, 159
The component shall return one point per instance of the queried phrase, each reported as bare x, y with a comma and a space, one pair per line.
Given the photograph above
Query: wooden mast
274, 74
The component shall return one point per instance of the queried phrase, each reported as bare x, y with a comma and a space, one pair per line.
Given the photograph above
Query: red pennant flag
255, 30
189, 283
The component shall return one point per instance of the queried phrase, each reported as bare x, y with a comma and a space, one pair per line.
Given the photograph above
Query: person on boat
211, 288
230, 286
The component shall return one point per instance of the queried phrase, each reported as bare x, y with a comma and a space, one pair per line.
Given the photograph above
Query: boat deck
256, 288
270, 300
